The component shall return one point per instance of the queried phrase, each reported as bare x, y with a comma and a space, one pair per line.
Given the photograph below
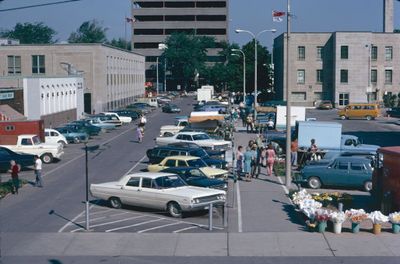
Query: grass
7, 187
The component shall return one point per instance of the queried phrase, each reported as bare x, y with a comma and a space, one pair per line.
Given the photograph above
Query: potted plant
356, 216
394, 218
377, 219
322, 216
337, 219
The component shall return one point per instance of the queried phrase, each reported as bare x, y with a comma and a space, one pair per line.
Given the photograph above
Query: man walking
38, 172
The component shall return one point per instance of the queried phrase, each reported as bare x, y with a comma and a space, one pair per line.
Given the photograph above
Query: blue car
73, 136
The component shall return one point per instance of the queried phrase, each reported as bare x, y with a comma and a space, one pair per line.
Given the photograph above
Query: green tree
89, 32
120, 43
186, 55
30, 33
396, 31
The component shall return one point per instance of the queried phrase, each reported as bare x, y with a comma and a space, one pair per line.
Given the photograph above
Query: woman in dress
139, 134
239, 162
248, 159
270, 159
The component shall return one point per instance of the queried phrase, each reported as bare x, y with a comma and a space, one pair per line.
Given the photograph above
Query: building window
301, 53
388, 53
374, 76
14, 65
388, 76
320, 76
374, 53
320, 52
38, 64
301, 76
344, 76
344, 99
10, 128
299, 96
344, 52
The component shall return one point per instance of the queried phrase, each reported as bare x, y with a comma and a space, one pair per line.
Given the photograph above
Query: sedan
348, 172
325, 105
171, 108
72, 135
393, 112
162, 191
6, 155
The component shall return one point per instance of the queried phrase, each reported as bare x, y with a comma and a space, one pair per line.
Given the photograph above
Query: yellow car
188, 161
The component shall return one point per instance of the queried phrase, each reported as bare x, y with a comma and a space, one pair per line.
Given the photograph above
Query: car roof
191, 133
152, 175
180, 169
353, 159
179, 157
178, 147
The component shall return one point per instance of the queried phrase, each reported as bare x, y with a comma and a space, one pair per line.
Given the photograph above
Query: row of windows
181, 4
344, 53
117, 79
181, 18
344, 76
14, 64
169, 31
209, 59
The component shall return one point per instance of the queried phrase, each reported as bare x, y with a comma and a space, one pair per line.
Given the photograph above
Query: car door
150, 194
5, 158
358, 174
130, 192
337, 174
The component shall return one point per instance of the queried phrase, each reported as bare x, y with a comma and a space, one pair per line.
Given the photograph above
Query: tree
89, 32
396, 31
186, 55
120, 43
30, 33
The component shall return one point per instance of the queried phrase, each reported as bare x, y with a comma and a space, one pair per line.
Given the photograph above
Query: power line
38, 5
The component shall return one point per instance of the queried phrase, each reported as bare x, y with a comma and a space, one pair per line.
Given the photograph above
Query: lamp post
162, 46
87, 148
157, 75
255, 36
288, 166
244, 71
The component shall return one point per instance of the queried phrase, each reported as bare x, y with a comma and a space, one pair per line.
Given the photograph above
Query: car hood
211, 161
212, 172
205, 182
368, 147
193, 191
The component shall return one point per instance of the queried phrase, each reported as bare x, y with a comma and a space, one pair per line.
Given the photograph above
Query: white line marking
134, 166
157, 227
120, 214
100, 212
138, 224
109, 223
92, 219
283, 185
73, 220
239, 205
186, 228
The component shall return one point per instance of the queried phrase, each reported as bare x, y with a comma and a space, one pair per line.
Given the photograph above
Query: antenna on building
70, 68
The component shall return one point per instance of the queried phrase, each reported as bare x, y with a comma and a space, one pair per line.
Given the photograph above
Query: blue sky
253, 15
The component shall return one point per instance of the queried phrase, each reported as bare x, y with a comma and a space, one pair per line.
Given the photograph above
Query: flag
277, 16
130, 19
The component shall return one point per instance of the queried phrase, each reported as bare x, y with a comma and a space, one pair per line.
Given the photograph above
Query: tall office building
155, 20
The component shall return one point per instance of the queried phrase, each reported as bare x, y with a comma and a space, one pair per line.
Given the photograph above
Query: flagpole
288, 103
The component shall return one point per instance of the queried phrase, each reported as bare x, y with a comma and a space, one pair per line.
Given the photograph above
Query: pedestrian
294, 147
243, 116
259, 140
139, 133
313, 151
14, 170
248, 159
270, 159
255, 162
249, 123
263, 157
38, 172
251, 143
143, 121
270, 124
239, 162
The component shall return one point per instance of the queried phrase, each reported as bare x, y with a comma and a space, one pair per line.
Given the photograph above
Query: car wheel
343, 117
174, 209
76, 140
368, 186
168, 134
62, 143
115, 202
314, 182
369, 118
47, 158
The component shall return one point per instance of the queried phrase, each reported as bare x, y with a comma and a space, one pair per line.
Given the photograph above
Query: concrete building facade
343, 67
157, 19
112, 77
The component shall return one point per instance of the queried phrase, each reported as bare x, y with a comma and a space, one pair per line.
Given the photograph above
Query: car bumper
58, 155
202, 206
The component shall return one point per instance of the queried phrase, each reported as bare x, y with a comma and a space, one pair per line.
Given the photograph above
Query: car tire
314, 182
368, 186
168, 134
47, 158
343, 117
76, 140
62, 143
115, 202
174, 209
368, 118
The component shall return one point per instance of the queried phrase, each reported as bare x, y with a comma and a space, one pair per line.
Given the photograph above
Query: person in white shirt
38, 171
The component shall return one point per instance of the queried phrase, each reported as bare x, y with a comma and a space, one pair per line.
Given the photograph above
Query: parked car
143, 105
367, 111
200, 138
163, 191
188, 161
54, 137
213, 153
222, 109
325, 105
6, 155
393, 112
72, 135
170, 108
123, 119
82, 126
142, 109
95, 121
348, 172
162, 100
132, 114
109, 119
195, 177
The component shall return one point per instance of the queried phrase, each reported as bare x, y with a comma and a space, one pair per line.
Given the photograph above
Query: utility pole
288, 103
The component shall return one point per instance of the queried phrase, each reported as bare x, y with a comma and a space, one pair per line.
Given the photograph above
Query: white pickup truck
170, 130
31, 144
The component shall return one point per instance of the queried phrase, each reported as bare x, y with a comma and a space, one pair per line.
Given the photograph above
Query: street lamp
255, 36
244, 70
163, 47
88, 148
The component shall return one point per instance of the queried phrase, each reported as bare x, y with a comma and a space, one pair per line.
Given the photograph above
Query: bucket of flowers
337, 219
322, 216
377, 219
394, 218
356, 216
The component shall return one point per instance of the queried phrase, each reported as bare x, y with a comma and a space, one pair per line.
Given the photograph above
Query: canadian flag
130, 19
277, 16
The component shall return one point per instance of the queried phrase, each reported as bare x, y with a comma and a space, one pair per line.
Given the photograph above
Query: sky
253, 15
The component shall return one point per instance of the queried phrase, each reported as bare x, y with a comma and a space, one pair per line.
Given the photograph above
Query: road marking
109, 223
283, 185
157, 227
100, 211
134, 166
186, 228
240, 227
73, 220
138, 224
91, 219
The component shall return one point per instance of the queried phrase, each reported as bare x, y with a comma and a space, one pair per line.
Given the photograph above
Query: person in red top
14, 169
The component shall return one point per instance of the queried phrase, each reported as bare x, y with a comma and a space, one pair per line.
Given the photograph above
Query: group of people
249, 163
140, 128
16, 168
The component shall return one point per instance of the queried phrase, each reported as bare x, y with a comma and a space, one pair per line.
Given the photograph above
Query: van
367, 111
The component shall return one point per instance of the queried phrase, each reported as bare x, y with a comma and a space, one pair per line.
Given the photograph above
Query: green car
348, 172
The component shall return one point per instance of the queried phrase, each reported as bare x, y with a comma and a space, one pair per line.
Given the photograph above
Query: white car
123, 119
165, 191
200, 138
52, 136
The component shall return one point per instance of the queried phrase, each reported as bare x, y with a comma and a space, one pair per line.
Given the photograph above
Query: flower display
356, 215
377, 217
298, 197
309, 206
322, 215
394, 218
337, 217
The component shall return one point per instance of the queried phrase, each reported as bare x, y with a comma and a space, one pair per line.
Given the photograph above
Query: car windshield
196, 163
172, 181
36, 140
201, 137
198, 153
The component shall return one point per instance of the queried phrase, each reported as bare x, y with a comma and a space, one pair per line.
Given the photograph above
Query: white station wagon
163, 191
